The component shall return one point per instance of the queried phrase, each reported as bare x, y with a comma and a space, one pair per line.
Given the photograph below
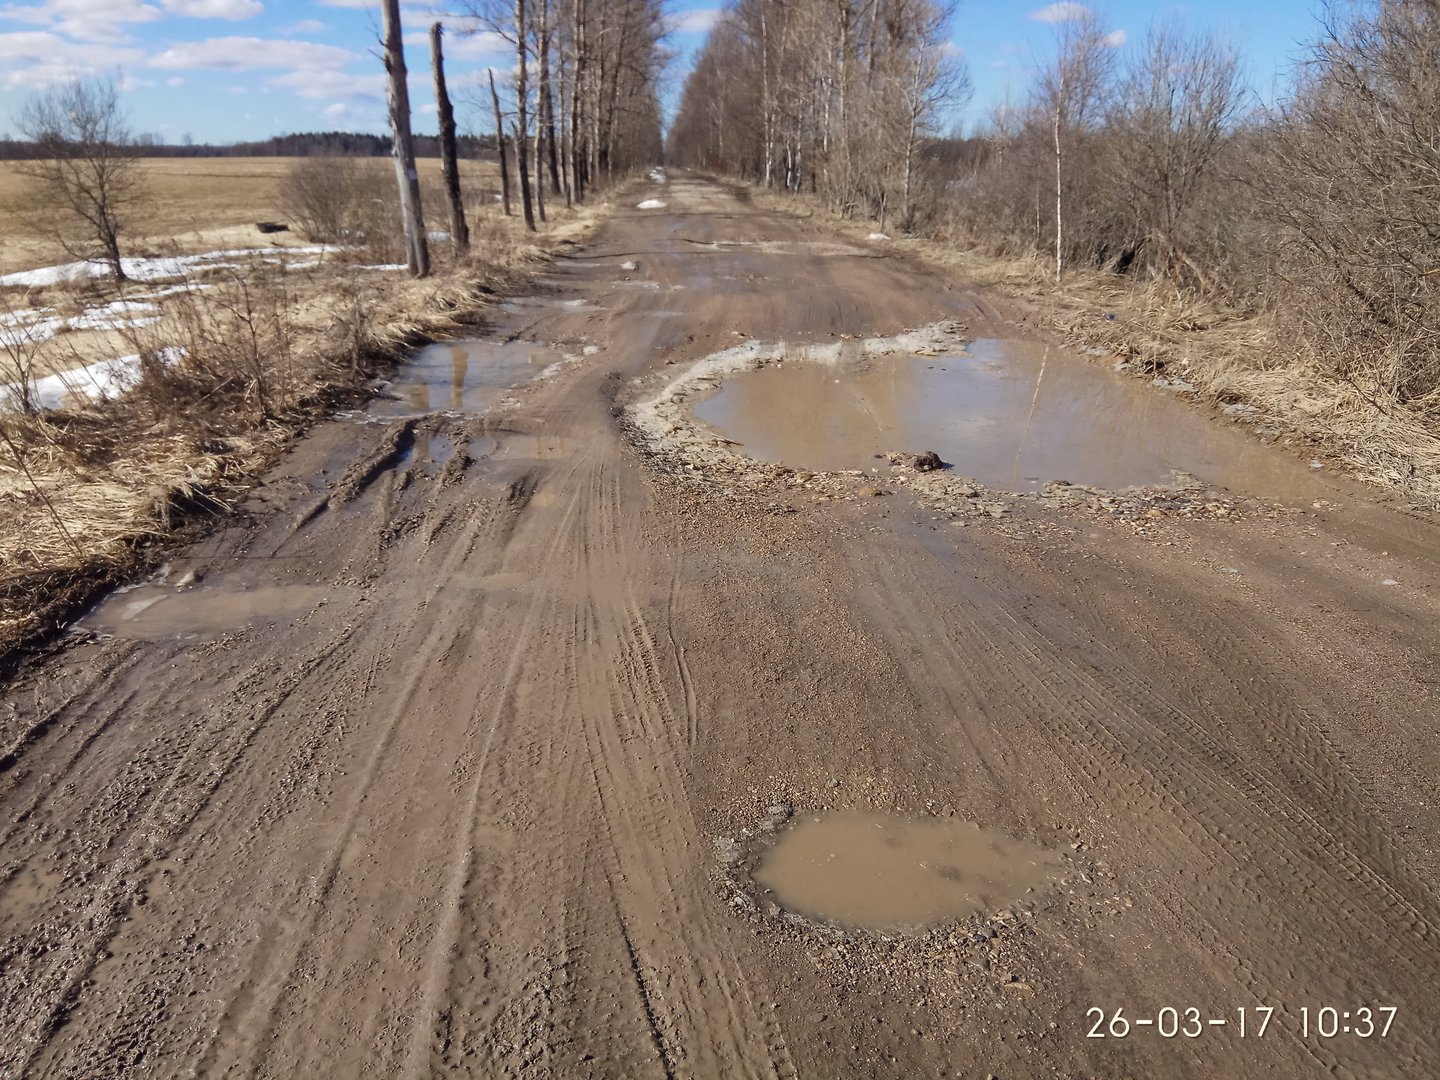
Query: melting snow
651, 204
94, 382
143, 269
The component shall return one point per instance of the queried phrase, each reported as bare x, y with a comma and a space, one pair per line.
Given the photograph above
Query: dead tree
500, 146
417, 252
522, 126
449, 150
85, 175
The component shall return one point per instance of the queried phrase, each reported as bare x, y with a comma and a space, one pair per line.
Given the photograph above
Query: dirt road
430, 769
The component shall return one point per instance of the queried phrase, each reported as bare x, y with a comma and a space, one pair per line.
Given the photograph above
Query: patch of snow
144, 269
304, 264
436, 236
95, 382
658, 175
386, 266
651, 204
629, 266
877, 236
590, 350
15, 337
24, 315
1172, 383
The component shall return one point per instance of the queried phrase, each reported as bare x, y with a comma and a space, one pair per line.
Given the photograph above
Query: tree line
1150, 160
299, 144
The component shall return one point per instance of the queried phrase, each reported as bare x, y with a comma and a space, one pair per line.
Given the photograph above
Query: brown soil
467, 787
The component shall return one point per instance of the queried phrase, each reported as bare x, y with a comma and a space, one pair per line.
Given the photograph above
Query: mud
887, 872
462, 376
1013, 415
463, 818
160, 612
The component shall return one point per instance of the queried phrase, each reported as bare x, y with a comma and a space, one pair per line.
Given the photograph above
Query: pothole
156, 612
886, 872
463, 376
1009, 414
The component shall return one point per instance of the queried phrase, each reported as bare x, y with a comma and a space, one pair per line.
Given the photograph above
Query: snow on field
152, 269
629, 266
94, 382
386, 266
877, 236
658, 175
651, 204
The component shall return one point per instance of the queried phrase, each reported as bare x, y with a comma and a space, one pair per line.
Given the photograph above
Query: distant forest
305, 144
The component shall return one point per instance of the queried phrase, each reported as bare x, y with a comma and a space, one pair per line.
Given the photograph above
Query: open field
200, 204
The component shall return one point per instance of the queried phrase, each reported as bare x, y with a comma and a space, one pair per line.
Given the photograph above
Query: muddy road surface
481, 742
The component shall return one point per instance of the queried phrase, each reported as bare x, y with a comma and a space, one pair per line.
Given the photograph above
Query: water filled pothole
163, 612
1010, 414
887, 872
463, 376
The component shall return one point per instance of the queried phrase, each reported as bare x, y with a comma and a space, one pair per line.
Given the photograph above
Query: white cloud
332, 84
88, 20
214, 9
1115, 38
250, 53
38, 58
698, 21
1061, 12
304, 26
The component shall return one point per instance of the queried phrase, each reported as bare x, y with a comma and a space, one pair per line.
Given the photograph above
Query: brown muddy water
1010, 414
887, 872
158, 612
462, 376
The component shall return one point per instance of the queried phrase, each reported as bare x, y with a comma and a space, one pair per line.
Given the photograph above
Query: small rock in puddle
886, 872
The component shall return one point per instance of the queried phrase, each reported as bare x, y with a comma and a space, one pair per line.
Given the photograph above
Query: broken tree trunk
449, 149
500, 147
417, 253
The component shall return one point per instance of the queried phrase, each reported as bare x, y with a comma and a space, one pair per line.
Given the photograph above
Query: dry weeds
92, 493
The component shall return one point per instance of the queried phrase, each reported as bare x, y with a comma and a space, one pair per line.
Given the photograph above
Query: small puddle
162, 613
463, 376
886, 872
1010, 414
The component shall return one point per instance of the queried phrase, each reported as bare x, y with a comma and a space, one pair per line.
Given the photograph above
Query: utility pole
417, 252
449, 151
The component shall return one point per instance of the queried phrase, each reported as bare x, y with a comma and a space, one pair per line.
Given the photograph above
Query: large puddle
885, 872
163, 612
1010, 414
463, 376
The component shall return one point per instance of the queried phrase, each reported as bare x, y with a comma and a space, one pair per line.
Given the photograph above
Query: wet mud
887, 872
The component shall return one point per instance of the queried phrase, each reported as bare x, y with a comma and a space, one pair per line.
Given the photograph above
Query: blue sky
226, 70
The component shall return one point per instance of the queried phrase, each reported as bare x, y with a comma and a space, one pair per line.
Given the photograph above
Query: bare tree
417, 250
1173, 110
85, 169
449, 151
1073, 92
500, 146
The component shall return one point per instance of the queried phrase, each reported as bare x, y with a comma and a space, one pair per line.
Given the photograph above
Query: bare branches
85, 177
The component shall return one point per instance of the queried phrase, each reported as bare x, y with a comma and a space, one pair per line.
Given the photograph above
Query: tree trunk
522, 120
449, 150
500, 147
417, 253
1059, 209
547, 100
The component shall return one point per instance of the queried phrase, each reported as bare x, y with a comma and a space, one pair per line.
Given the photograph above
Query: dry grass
207, 203
1231, 357
91, 494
